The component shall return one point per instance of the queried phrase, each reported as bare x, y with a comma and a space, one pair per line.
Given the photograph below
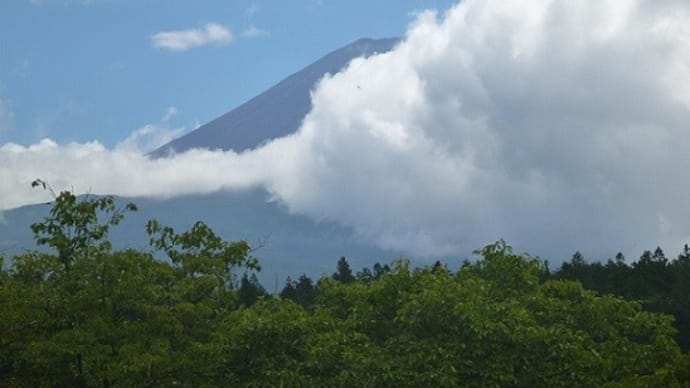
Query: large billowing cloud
556, 125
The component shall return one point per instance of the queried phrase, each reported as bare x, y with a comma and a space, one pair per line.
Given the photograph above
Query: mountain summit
276, 112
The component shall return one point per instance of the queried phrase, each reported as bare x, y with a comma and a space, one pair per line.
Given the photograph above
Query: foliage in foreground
658, 283
90, 316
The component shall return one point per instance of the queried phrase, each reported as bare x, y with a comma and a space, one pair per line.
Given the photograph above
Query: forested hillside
659, 284
89, 316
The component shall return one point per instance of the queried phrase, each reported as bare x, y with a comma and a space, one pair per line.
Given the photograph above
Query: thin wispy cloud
251, 10
254, 32
149, 138
182, 40
169, 113
152, 136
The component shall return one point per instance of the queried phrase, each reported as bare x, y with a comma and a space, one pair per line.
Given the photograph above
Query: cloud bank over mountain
555, 125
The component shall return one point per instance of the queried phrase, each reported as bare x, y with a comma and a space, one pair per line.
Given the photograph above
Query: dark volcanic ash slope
276, 112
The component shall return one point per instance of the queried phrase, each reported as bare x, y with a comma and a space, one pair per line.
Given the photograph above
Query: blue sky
81, 70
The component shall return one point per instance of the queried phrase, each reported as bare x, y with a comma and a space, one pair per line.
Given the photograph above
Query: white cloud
182, 40
254, 32
169, 113
90, 167
149, 138
556, 125
152, 136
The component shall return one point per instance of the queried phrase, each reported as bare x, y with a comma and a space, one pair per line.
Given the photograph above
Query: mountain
276, 112
286, 244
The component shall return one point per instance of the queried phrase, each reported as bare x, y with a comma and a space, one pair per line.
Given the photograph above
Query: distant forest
657, 283
85, 315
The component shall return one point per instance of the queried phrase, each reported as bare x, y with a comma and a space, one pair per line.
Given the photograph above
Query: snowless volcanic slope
285, 244
276, 112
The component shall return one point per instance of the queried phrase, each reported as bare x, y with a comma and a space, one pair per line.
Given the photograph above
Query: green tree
72, 226
87, 316
262, 345
379, 270
200, 252
343, 272
288, 291
652, 277
250, 290
302, 291
490, 324
679, 291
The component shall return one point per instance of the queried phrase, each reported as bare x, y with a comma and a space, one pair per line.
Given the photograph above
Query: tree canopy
85, 315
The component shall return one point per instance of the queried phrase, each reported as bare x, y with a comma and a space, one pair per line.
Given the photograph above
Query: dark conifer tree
250, 290
343, 271
379, 270
288, 291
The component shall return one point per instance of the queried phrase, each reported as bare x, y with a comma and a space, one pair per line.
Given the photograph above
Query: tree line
86, 315
656, 282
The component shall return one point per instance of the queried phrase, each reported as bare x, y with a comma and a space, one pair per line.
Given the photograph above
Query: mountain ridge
276, 112
285, 244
